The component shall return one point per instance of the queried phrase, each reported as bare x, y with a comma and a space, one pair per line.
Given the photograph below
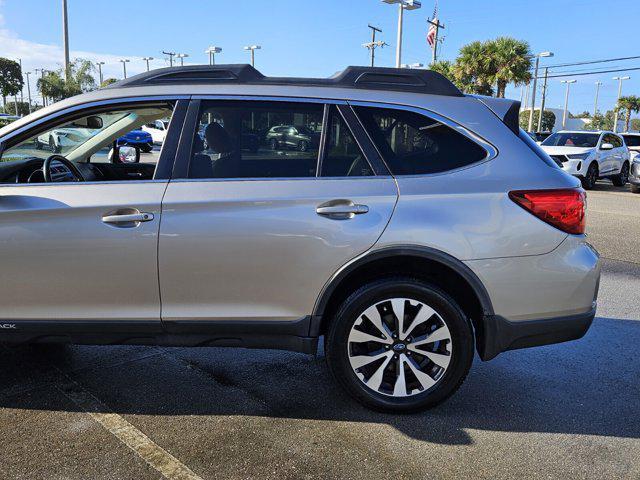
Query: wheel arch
424, 263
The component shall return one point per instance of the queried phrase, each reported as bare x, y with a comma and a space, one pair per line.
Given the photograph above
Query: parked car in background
632, 140
61, 139
137, 138
426, 227
301, 138
590, 156
157, 129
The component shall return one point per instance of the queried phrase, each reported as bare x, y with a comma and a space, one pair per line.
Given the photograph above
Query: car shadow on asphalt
586, 387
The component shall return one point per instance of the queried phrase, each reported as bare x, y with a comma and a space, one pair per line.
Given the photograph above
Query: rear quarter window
414, 144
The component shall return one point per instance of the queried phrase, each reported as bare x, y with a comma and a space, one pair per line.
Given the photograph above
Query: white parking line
165, 463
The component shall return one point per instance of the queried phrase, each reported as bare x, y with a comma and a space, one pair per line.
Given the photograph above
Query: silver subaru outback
410, 227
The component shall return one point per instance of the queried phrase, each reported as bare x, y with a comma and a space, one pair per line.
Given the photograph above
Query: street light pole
402, 5
212, 54
100, 71
252, 49
28, 90
44, 99
535, 86
544, 97
124, 66
182, 56
65, 39
566, 102
595, 103
412, 65
147, 60
171, 55
615, 118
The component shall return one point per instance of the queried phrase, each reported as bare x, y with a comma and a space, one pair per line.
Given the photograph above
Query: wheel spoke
362, 360
425, 380
437, 335
400, 388
437, 358
374, 316
397, 305
375, 380
424, 314
360, 337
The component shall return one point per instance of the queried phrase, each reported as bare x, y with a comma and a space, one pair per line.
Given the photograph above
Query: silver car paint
60, 261
465, 213
257, 249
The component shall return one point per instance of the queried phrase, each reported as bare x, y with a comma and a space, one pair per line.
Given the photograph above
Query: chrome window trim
492, 151
79, 184
274, 179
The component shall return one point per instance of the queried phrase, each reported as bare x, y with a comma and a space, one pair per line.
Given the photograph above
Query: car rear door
260, 243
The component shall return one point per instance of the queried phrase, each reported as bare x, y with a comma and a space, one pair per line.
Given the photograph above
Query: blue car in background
137, 138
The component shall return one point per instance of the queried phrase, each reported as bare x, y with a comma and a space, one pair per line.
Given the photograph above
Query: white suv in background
157, 129
632, 140
590, 156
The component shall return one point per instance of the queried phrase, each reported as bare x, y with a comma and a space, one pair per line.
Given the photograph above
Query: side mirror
606, 146
124, 154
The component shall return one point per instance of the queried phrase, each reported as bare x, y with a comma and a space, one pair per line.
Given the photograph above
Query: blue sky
318, 38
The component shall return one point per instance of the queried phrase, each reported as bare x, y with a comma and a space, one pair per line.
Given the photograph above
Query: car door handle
128, 218
341, 211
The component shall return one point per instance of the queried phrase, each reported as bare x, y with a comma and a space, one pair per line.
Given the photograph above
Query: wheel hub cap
399, 347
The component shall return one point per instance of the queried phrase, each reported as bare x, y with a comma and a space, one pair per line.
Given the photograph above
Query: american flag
431, 34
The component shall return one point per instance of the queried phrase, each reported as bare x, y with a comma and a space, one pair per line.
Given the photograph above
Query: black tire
622, 178
38, 145
303, 146
635, 188
462, 344
591, 177
146, 148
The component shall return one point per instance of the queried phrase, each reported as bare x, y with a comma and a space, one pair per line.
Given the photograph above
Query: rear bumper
501, 334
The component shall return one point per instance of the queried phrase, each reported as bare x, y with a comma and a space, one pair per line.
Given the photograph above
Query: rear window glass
413, 144
524, 136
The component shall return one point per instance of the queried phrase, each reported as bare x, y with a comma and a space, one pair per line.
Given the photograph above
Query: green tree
10, 78
635, 124
107, 82
509, 62
447, 69
23, 108
53, 85
548, 120
628, 104
474, 68
600, 121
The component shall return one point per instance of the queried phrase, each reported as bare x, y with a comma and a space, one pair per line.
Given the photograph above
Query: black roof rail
376, 78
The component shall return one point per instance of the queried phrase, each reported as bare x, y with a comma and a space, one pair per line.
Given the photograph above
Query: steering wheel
46, 168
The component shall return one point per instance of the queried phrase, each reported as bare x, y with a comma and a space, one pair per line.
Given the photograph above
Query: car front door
256, 235
82, 251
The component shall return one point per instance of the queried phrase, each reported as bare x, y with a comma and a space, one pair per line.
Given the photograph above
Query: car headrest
217, 138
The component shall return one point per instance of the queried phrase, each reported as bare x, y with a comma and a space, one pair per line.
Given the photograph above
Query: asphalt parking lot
562, 411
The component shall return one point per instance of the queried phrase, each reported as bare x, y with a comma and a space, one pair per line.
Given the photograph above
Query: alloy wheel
399, 347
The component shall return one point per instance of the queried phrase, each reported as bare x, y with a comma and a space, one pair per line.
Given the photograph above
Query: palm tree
510, 62
473, 68
629, 104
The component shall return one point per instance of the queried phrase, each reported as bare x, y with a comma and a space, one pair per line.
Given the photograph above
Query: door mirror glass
606, 146
124, 154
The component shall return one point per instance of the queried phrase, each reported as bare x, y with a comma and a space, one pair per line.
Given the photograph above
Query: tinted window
632, 140
413, 144
256, 140
577, 139
612, 139
343, 157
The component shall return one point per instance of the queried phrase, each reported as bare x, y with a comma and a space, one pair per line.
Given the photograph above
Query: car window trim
362, 138
165, 160
492, 150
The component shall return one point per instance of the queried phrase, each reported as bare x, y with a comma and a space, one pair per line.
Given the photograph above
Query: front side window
256, 140
91, 147
413, 144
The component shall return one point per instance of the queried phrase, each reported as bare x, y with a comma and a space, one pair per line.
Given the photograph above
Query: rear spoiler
506, 110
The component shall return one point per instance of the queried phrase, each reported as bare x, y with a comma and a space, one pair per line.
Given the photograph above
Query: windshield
576, 139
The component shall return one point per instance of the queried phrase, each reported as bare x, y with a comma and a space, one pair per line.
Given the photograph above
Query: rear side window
413, 144
343, 157
632, 140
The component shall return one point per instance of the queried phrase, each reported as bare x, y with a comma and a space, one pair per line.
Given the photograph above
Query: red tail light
564, 209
